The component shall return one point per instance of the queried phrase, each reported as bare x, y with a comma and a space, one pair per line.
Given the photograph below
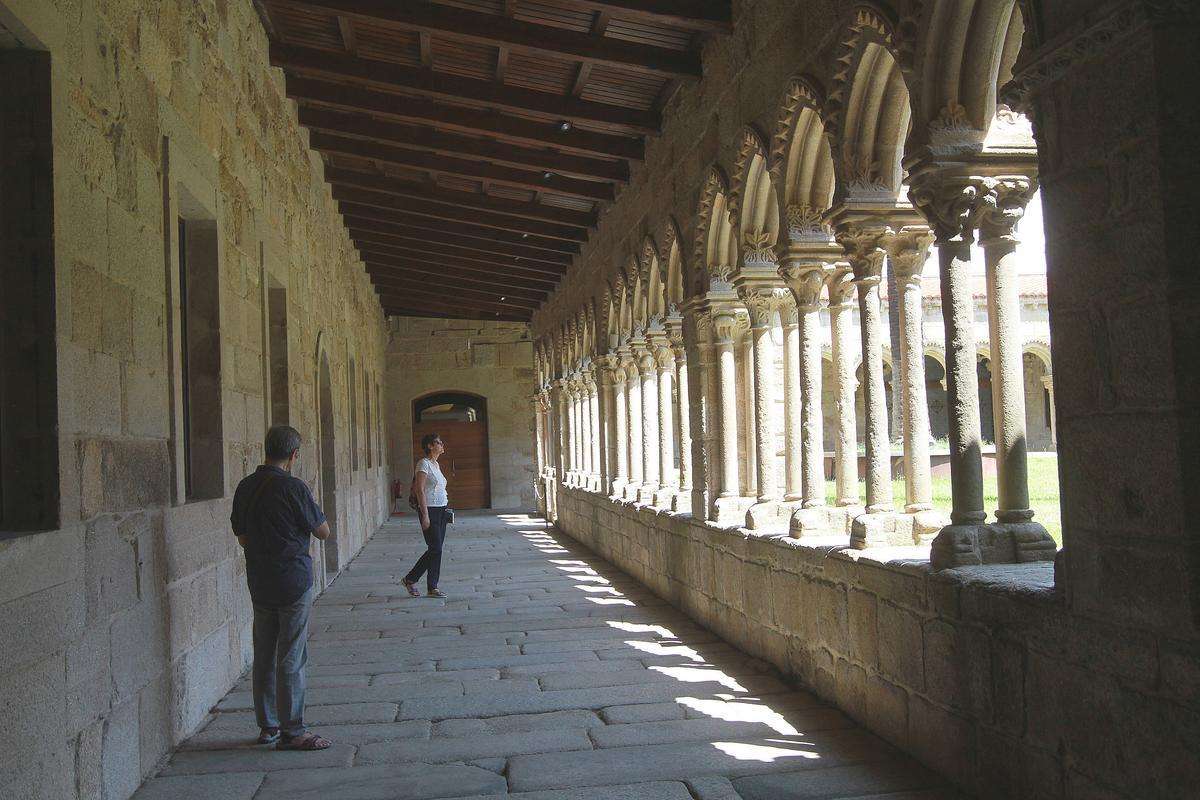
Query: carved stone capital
762, 302
947, 201
805, 280
724, 322
1001, 206
840, 280
908, 250
806, 224
863, 251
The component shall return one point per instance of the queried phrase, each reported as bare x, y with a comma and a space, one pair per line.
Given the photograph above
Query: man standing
273, 515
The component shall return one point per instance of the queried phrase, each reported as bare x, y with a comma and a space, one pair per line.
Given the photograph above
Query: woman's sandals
434, 593
410, 587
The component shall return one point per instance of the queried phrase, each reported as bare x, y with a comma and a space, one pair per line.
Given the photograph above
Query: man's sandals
305, 741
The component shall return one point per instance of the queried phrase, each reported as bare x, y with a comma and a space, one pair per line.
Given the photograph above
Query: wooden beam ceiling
428, 83
471, 150
512, 35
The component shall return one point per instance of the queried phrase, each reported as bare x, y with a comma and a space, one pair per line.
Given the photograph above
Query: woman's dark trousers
431, 559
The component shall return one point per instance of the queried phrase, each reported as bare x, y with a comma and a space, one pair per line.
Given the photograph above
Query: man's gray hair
282, 441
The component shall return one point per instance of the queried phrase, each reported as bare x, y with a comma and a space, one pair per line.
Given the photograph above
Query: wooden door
464, 463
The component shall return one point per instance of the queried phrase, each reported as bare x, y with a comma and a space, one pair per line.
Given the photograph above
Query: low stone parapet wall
982, 672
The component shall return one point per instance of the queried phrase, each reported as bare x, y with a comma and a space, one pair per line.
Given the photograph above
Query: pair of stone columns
957, 202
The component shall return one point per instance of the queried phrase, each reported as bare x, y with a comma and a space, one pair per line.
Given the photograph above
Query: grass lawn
1043, 493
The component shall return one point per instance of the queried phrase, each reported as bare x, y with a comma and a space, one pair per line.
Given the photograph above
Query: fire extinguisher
397, 490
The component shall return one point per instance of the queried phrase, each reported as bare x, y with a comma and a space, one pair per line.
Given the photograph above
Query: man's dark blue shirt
277, 514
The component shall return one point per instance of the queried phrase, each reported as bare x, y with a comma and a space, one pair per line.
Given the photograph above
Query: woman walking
429, 485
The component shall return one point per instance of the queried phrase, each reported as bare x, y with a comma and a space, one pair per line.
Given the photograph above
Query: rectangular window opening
200, 359
29, 479
277, 344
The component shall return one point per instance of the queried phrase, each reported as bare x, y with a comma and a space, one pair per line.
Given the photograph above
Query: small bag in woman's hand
449, 515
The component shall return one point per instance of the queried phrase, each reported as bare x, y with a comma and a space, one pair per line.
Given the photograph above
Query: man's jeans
280, 653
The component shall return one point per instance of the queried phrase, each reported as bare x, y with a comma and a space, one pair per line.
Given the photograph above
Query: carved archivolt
868, 23
801, 93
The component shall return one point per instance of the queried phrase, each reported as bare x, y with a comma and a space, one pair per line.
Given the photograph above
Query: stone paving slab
681, 761
462, 748
390, 782
234, 786
547, 675
658, 790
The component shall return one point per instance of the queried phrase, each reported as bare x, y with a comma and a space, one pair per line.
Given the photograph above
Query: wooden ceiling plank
349, 38
435, 299
483, 281
515, 35
542, 235
425, 83
526, 276
531, 211
432, 245
406, 157
308, 91
429, 307
451, 144
392, 276
370, 218
459, 293
707, 16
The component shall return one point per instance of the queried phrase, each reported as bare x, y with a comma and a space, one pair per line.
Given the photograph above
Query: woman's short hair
427, 442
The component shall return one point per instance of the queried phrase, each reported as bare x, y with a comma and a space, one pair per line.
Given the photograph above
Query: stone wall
122, 627
984, 673
491, 359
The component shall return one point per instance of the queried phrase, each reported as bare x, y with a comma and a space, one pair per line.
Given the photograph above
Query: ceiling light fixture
503, 297
565, 126
547, 175
524, 235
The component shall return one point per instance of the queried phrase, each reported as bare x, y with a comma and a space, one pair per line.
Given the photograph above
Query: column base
682, 502
618, 489
879, 529
645, 494
731, 511
819, 521
769, 514
665, 497
998, 543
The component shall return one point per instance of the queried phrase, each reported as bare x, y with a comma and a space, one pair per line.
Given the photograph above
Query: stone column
618, 427
907, 251
793, 405
683, 441
603, 424
866, 258
703, 411
563, 417
762, 303
594, 421
576, 433
585, 431
650, 474
953, 201
841, 289
1048, 382
999, 214
665, 361
724, 322
806, 277
633, 410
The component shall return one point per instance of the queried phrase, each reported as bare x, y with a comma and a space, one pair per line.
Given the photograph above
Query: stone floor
547, 673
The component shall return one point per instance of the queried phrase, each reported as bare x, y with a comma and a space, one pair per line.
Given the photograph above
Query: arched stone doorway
331, 560
460, 418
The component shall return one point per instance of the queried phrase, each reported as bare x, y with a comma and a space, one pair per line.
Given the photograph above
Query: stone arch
753, 200
591, 337
1041, 350
715, 252
651, 267
970, 50
326, 553
869, 106
802, 160
1037, 377
637, 294
671, 258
